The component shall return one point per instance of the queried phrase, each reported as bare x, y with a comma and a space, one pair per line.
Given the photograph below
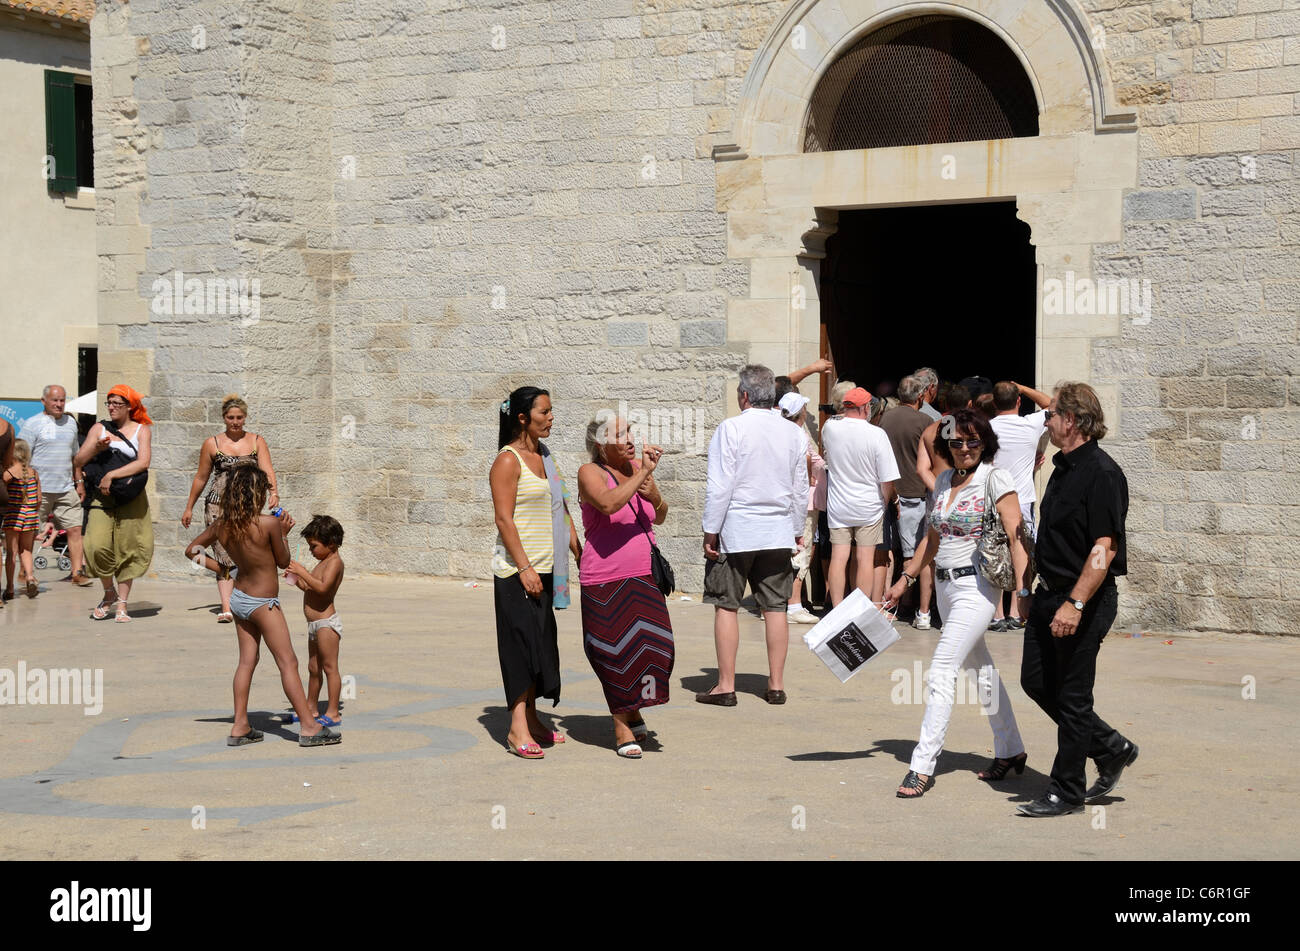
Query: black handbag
660, 570
120, 491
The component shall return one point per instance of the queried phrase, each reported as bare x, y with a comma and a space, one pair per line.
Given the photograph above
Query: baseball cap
792, 403
857, 397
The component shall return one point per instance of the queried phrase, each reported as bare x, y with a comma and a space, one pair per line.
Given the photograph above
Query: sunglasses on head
964, 443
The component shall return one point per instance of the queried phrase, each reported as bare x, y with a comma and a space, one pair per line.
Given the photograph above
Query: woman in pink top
626, 631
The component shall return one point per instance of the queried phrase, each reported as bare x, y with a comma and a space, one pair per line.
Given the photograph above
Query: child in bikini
324, 535
255, 542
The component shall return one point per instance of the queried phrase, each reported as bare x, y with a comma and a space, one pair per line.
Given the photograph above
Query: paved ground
422, 771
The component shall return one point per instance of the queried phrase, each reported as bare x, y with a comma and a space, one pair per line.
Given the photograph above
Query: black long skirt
527, 640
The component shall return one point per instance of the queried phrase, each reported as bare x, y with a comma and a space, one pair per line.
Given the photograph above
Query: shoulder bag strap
635, 514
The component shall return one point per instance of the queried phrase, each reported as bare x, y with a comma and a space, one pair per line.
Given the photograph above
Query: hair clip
505, 406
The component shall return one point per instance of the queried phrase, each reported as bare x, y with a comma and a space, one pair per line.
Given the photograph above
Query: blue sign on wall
18, 412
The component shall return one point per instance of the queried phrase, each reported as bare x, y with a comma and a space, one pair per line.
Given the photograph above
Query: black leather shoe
1050, 805
1108, 772
727, 699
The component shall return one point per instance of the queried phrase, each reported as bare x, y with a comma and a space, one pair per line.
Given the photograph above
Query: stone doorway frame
782, 204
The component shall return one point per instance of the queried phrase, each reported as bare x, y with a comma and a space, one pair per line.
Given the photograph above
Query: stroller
58, 543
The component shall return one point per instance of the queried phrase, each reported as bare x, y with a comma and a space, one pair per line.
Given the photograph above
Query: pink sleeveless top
617, 546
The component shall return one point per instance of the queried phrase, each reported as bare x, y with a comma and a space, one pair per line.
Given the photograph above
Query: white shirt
959, 519
858, 458
757, 491
1018, 438
53, 443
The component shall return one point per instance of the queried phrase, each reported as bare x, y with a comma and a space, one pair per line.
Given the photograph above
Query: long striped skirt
628, 637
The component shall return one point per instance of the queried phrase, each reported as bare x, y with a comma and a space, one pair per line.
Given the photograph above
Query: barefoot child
324, 629
255, 542
21, 519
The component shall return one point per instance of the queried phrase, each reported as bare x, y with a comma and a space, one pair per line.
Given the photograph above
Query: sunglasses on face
964, 443
116, 402
1049, 413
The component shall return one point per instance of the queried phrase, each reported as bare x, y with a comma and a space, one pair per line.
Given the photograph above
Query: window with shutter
60, 131
85, 140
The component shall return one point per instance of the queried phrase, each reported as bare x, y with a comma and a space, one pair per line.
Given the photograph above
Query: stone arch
1052, 39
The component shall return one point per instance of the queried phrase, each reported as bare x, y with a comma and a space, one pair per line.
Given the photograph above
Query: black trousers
1058, 674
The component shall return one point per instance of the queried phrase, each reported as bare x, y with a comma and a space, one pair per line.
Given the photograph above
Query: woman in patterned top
967, 443
218, 457
20, 518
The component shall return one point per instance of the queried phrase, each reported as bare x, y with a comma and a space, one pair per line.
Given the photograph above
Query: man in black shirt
1081, 550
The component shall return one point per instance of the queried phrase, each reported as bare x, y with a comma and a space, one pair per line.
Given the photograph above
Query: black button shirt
1086, 499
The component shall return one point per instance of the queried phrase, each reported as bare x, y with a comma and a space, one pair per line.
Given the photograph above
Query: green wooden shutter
61, 129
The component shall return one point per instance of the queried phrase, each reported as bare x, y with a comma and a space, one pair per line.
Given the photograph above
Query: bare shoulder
506, 463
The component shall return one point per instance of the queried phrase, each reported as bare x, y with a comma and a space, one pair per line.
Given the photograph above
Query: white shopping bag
851, 634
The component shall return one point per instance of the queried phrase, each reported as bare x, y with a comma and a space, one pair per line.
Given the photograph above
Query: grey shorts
769, 575
911, 524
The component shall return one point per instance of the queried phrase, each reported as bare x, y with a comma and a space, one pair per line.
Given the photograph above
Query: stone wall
445, 200
1210, 389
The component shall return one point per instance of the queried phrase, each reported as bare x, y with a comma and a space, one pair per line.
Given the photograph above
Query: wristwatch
1022, 593
1078, 605
910, 580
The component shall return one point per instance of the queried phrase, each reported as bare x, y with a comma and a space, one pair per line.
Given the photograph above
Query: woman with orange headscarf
119, 533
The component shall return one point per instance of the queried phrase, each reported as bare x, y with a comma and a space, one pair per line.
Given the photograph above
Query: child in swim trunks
324, 535
255, 542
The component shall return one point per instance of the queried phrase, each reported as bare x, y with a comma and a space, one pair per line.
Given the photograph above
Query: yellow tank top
533, 521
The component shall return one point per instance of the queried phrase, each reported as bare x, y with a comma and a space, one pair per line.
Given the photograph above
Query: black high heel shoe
999, 768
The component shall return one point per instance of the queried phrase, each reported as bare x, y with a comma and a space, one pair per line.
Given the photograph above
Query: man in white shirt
862, 470
1020, 446
754, 507
54, 439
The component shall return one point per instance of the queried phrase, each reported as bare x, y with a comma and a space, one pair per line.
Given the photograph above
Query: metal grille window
923, 80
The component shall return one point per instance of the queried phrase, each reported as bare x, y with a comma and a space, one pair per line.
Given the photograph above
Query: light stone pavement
422, 771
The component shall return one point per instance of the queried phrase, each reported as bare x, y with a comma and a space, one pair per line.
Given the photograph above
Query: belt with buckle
952, 574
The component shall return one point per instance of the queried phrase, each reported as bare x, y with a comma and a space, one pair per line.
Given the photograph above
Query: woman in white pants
956, 511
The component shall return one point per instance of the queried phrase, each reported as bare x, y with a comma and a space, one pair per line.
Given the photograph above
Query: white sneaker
922, 621
801, 616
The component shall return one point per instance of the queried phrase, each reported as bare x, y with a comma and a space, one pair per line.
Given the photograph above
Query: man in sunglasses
1081, 550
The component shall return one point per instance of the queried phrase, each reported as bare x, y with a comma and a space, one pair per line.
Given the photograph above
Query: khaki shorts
864, 536
63, 507
769, 574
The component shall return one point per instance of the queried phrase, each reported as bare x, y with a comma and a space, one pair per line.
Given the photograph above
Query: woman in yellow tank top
523, 563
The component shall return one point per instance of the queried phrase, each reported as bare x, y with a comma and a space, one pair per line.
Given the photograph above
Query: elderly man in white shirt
54, 439
754, 508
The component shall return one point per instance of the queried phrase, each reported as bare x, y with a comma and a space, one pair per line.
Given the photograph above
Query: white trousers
967, 607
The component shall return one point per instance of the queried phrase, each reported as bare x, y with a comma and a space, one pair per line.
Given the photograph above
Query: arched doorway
948, 286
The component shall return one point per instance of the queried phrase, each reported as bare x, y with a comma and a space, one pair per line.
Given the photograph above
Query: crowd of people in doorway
892, 496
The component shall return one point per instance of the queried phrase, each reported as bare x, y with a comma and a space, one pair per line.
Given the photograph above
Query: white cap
792, 404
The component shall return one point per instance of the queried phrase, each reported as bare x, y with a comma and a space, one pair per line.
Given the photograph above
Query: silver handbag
993, 553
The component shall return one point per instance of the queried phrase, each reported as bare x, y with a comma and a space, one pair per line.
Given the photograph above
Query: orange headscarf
133, 400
